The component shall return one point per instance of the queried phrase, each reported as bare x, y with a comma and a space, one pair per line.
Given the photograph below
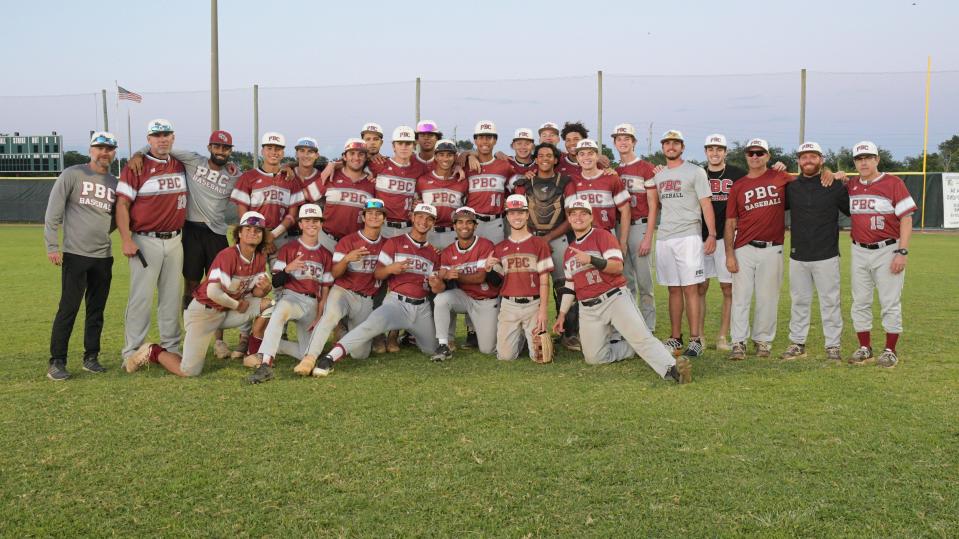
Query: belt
398, 224
763, 244
601, 298
874, 246
411, 301
160, 235
522, 299
642, 220
487, 218
442, 229
541, 233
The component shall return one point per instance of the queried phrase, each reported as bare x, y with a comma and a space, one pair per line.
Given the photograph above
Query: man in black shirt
814, 255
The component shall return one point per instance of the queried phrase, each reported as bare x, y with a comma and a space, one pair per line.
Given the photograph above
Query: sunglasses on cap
374, 205
102, 140
756, 153
254, 221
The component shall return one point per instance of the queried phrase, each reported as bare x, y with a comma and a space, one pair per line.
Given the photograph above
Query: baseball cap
425, 208
715, 140
253, 218
272, 138
371, 127
516, 202
485, 127
445, 145
524, 133
159, 125
672, 134
374, 204
586, 144
103, 138
404, 133
307, 142
310, 211
427, 126
354, 144
548, 125
624, 129
221, 137
579, 204
809, 147
464, 211
865, 148
757, 143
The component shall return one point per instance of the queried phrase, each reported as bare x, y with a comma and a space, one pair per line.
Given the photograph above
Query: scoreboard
31, 153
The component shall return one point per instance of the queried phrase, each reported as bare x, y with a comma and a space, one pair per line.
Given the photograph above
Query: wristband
598, 263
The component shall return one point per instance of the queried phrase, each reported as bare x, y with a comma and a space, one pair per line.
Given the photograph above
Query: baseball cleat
58, 372
471, 340
92, 364
795, 351
862, 356
887, 359
379, 344
253, 361
737, 352
763, 349
722, 344
323, 367
681, 372
694, 349
392, 343
571, 343
674, 345
833, 353
264, 373
443, 353
138, 359
305, 366
221, 350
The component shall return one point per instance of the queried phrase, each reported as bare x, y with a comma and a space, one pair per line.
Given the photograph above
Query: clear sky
77, 48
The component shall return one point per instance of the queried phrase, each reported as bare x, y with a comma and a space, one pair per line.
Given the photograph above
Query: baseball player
593, 266
372, 135
524, 262
755, 226
344, 196
82, 200
427, 135
637, 176
151, 210
440, 189
814, 252
466, 287
210, 180
302, 267
232, 295
409, 262
572, 134
549, 133
605, 193
684, 197
488, 187
354, 285
396, 182
881, 211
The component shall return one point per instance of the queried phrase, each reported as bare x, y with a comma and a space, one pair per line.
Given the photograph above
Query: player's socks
337, 352
155, 352
444, 341
891, 340
253, 345
863, 337
267, 360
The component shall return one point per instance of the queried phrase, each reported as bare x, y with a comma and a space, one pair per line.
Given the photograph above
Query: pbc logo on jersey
671, 185
517, 262
97, 190
761, 192
860, 204
720, 186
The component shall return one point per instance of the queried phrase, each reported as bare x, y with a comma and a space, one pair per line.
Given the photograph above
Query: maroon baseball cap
221, 137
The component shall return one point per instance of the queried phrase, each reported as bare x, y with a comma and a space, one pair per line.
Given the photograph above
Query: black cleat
58, 372
90, 364
471, 340
443, 353
263, 373
324, 366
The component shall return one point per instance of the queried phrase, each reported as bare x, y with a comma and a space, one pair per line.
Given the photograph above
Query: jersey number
592, 277
181, 202
877, 222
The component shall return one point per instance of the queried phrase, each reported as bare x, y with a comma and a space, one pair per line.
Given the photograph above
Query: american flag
127, 94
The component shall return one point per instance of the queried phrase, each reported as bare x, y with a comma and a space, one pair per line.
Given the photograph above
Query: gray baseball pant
341, 303
290, 306
619, 312
638, 271
441, 240
760, 272
491, 230
870, 270
327, 241
482, 312
392, 232
514, 326
163, 274
824, 275
394, 314
201, 323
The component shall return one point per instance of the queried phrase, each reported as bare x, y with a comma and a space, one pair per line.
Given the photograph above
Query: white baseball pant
482, 312
514, 325
201, 323
870, 270
824, 276
760, 272
638, 271
395, 313
163, 274
341, 303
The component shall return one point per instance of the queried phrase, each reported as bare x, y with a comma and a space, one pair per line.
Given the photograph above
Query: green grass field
398, 446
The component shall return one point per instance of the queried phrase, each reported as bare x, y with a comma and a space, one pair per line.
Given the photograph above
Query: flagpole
129, 138
117, 86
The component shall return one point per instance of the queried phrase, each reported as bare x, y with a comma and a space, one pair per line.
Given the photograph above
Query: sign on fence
950, 200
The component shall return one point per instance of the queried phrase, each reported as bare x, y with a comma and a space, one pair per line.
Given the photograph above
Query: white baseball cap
425, 208
427, 126
354, 144
549, 125
757, 143
586, 144
159, 125
103, 138
311, 211
272, 138
672, 134
307, 142
624, 129
485, 127
516, 202
464, 210
579, 204
865, 147
371, 128
252, 218
523, 133
809, 147
404, 133
715, 140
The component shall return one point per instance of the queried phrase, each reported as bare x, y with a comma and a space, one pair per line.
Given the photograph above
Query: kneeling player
594, 273
231, 295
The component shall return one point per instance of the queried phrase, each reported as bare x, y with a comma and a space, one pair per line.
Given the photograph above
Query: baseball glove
543, 348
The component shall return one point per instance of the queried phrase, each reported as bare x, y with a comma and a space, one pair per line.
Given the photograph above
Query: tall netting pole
925, 140
417, 100
214, 69
599, 110
256, 123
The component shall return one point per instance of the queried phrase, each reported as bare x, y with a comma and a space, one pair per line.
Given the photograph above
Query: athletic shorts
679, 261
715, 264
200, 247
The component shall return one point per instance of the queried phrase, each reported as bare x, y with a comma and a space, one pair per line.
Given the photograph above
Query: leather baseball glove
543, 348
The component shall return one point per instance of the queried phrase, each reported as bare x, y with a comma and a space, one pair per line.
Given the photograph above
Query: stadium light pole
214, 69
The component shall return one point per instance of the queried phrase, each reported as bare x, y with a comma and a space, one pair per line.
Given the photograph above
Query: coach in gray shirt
82, 200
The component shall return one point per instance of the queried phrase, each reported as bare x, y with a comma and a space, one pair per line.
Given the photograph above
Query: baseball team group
374, 252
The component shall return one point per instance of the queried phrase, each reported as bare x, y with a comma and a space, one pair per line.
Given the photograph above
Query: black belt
523, 299
601, 298
541, 233
874, 246
398, 224
442, 229
642, 220
411, 301
487, 218
763, 244
161, 235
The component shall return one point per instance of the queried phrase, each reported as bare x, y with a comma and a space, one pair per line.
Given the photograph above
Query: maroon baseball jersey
444, 195
468, 261
587, 281
759, 206
359, 274
876, 208
604, 192
157, 195
523, 262
487, 188
566, 166
236, 275
428, 164
315, 272
425, 260
273, 195
344, 202
637, 177
396, 186
519, 171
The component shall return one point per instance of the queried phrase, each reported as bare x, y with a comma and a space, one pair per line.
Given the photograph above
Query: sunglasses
374, 205
756, 153
254, 221
104, 141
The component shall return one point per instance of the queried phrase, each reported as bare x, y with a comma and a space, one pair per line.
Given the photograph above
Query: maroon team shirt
412, 282
157, 195
274, 195
637, 177
236, 275
488, 187
523, 262
605, 193
759, 205
315, 272
519, 171
876, 208
469, 261
359, 274
396, 186
344, 202
444, 195
566, 166
587, 281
